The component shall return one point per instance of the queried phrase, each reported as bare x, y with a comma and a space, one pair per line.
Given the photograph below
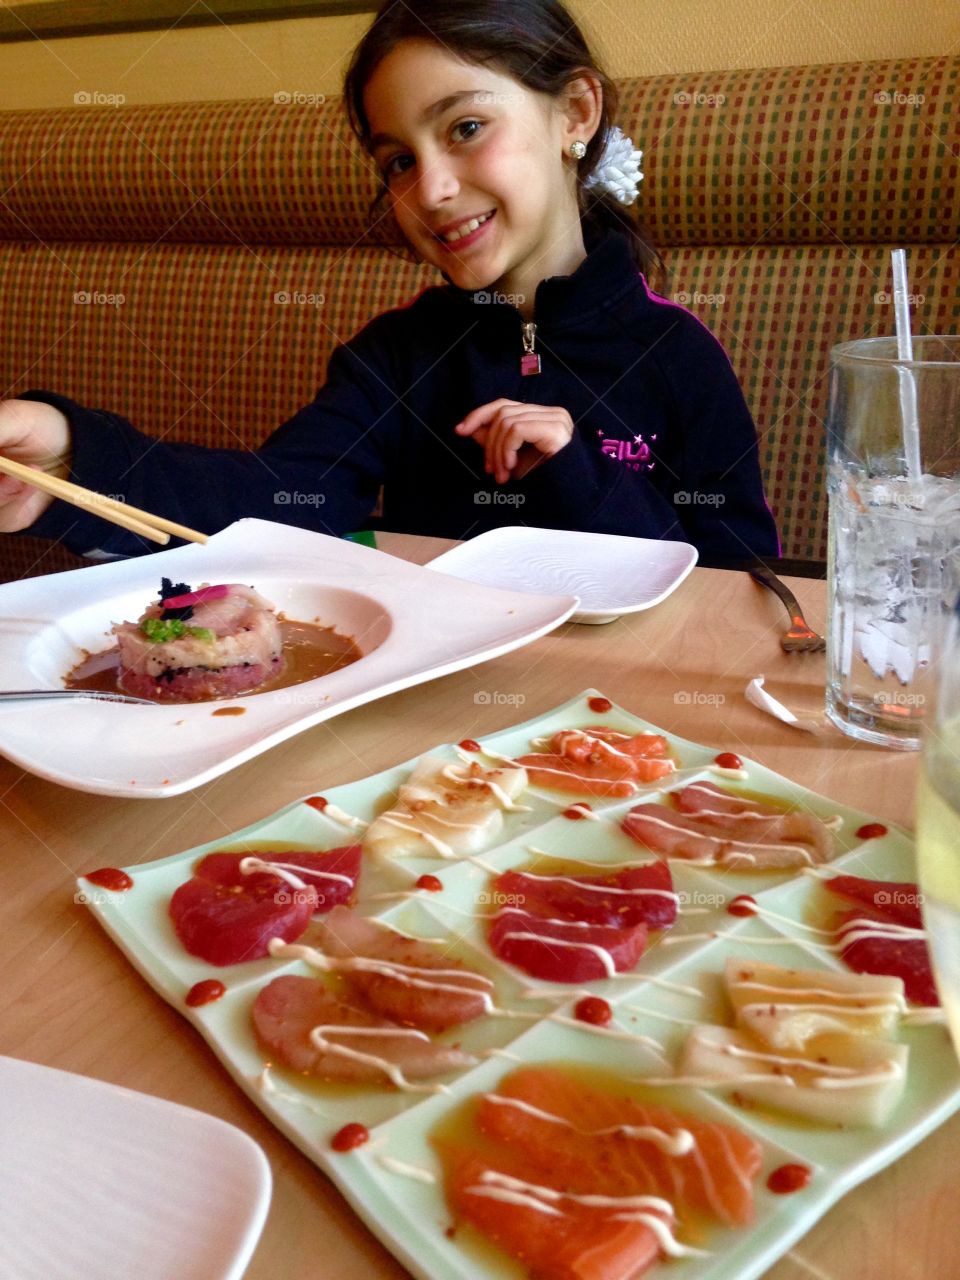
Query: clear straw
908, 386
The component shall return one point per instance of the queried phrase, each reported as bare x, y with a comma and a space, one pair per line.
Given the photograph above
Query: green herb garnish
160, 630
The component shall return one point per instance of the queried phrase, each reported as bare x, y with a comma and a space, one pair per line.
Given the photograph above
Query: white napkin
757, 695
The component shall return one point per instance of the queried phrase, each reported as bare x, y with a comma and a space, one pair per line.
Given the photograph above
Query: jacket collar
606, 273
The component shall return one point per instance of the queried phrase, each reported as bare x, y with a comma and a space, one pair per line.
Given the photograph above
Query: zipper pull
530, 360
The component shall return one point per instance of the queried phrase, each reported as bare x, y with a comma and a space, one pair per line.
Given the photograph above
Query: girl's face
474, 167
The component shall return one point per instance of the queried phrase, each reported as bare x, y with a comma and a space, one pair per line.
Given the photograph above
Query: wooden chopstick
156, 528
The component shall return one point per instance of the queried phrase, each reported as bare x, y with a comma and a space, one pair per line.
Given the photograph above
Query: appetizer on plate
446, 809
711, 826
598, 761
576, 1179
809, 1042
234, 904
189, 646
885, 934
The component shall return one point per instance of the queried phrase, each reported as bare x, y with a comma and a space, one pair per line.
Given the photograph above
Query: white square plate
612, 575
388, 1180
412, 625
102, 1181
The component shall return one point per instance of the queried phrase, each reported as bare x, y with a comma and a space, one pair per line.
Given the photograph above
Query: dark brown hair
536, 42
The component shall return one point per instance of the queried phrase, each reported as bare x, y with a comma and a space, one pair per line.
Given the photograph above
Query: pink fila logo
633, 453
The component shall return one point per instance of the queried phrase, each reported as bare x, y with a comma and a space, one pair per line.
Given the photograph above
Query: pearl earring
578, 149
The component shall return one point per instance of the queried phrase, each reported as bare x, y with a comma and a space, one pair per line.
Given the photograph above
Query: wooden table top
70, 1000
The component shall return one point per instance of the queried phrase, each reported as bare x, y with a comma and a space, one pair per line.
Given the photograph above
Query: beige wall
308, 55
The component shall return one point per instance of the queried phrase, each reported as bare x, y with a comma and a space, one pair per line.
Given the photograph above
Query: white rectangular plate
409, 1215
611, 574
411, 624
102, 1181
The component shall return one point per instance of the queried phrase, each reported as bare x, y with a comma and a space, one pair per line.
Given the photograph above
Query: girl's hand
38, 435
516, 437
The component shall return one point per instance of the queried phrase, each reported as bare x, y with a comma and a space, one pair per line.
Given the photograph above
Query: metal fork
801, 638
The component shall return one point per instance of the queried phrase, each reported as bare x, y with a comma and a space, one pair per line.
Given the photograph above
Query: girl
544, 384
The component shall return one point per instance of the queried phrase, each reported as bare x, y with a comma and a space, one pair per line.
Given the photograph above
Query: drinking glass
894, 555
938, 829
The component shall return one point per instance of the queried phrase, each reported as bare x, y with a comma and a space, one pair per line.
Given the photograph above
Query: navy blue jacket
664, 444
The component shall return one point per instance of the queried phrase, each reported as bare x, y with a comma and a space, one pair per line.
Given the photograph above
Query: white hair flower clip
618, 170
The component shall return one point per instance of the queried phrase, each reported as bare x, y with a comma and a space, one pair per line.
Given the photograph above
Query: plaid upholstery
774, 196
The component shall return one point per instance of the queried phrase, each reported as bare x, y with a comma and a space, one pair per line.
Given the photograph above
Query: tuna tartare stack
189, 646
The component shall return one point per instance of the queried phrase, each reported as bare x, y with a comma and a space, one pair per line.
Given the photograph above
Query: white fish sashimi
445, 810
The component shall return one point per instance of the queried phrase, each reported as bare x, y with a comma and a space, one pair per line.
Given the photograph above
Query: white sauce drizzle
336, 814
319, 1038
268, 1086
602, 888
288, 871
406, 1170
677, 1143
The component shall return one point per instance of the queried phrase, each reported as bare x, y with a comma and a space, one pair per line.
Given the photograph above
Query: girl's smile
474, 167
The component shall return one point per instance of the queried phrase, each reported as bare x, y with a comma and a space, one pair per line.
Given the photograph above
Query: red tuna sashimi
332, 874
562, 1240
224, 917
290, 1007
562, 950
412, 981
897, 957
575, 1142
787, 840
898, 902
598, 762
629, 896
897, 951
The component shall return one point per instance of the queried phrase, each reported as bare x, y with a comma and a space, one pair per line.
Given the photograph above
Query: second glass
894, 553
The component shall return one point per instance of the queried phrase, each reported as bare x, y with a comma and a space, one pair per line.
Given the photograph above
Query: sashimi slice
563, 950
289, 1008
332, 873
590, 1140
785, 1008
598, 761
786, 841
555, 1238
225, 917
412, 981
727, 810
445, 808
634, 895
897, 901
879, 946
838, 1080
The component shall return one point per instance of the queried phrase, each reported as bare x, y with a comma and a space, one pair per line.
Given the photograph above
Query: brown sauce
309, 651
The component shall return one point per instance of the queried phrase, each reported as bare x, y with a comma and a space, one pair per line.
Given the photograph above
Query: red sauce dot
431, 883
468, 744
789, 1177
317, 802
871, 831
110, 878
205, 992
593, 1009
742, 905
576, 812
727, 760
600, 704
350, 1136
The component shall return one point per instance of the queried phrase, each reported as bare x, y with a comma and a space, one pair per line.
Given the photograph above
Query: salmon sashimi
599, 762
556, 1237
408, 979
587, 1140
642, 894
565, 950
289, 1008
760, 838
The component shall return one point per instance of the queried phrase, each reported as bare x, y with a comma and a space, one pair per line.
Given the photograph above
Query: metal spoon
24, 695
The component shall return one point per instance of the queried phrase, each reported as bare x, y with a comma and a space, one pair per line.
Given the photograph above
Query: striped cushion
773, 194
